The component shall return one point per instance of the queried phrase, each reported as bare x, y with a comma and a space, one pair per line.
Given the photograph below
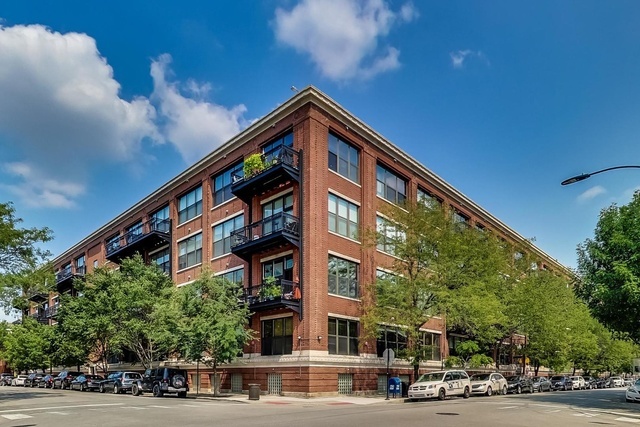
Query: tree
609, 266
434, 258
21, 260
119, 309
25, 346
212, 321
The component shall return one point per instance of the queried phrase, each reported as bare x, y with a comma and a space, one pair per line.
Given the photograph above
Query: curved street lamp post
584, 176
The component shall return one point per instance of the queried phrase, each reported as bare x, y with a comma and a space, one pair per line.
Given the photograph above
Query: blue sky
101, 103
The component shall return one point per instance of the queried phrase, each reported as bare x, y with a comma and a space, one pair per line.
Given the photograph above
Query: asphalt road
26, 407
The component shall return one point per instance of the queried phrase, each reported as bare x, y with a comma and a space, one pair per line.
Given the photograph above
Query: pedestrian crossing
34, 413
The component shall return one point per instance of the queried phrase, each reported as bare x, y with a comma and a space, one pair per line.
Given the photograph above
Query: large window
431, 345
277, 336
222, 235
190, 205
343, 158
162, 259
222, 183
343, 336
273, 150
190, 251
428, 199
280, 268
160, 219
391, 337
272, 208
235, 276
388, 235
343, 277
81, 267
343, 217
390, 186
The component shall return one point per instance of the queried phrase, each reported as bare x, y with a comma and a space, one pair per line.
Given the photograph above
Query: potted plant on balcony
253, 165
270, 289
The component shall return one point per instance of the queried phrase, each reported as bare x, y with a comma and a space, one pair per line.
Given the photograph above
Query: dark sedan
519, 384
86, 382
32, 380
46, 381
541, 384
561, 382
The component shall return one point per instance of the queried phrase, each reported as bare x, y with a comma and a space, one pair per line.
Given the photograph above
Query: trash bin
254, 391
394, 386
405, 389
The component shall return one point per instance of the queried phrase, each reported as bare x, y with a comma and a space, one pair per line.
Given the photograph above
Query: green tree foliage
119, 309
26, 347
609, 265
21, 259
435, 258
211, 321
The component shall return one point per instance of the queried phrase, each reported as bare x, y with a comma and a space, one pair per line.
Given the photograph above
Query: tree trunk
416, 372
216, 383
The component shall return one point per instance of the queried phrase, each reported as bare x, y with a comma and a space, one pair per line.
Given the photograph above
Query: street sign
389, 356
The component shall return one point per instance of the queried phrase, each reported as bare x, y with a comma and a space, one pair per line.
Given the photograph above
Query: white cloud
591, 193
342, 36
458, 58
195, 127
60, 108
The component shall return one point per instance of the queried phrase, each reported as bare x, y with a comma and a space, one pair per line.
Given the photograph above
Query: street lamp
584, 176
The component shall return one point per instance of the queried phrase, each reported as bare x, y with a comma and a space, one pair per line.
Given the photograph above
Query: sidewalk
270, 399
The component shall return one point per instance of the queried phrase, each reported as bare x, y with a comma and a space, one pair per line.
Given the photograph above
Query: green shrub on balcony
253, 165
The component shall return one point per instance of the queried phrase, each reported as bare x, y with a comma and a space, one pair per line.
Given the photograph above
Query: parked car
616, 382
519, 384
441, 384
590, 382
602, 383
19, 380
87, 382
32, 380
46, 381
578, 383
561, 382
541, 384
119, 382
5, 379
628, 382
64, 378
492, 383
163, 380
633, 392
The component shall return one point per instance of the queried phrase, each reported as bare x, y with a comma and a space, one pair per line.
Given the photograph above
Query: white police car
440, 385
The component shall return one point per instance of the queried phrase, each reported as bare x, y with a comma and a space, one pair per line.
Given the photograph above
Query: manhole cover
446, 413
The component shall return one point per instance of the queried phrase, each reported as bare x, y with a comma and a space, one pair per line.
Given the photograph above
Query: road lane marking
133, 407
547, 406
160, 406
511, 407
16, 416
58, 413
552, 411
59, 407
585, 414
627, 420
194, 406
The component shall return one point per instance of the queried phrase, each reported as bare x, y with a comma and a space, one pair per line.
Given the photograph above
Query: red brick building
300, 220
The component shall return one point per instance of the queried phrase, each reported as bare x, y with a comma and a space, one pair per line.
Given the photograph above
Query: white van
441, 384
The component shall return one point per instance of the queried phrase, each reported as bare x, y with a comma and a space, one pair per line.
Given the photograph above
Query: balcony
279, 230
51, 312
281, 294
149, 236
39, 298
39, 316
65, 277
281, 165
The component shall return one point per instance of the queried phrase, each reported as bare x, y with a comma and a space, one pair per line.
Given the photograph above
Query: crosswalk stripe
627, 420
58, 413
16, 416
509, 407
159, 406
133, 407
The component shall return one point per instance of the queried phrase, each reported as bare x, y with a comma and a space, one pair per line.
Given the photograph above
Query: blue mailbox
395, 386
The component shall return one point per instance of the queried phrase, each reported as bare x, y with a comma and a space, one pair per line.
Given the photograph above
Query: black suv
162, 380
32, 380
64, 378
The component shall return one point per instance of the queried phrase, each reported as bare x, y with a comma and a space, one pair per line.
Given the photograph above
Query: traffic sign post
389, 357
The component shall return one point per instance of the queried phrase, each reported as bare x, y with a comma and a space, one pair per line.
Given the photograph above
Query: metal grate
382, 384
274, 383
345, 383
236, 383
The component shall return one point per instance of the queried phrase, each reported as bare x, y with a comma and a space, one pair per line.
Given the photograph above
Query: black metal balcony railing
64, 277
141, 239
266, 296
39, 316
278, 230
64, 274
50, 312
279, 165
